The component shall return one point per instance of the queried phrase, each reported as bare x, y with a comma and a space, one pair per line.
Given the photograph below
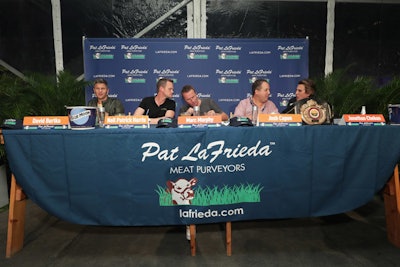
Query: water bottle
254, 115
196, 111
102, 114
363, 110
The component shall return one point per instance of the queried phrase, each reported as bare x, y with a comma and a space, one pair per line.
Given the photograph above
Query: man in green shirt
113, 106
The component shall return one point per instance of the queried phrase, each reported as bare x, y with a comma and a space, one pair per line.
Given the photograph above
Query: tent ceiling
340, 1
330, 24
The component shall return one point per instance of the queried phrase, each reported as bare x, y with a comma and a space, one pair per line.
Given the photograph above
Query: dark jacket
112, 105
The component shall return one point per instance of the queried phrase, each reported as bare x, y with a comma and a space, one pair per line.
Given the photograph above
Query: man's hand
211, 113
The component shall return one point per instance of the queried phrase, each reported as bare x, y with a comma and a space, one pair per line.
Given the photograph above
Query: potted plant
347, 95
37, 95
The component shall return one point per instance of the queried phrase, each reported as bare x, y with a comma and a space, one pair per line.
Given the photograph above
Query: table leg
192, 228
228, 229
392, 208
16, 219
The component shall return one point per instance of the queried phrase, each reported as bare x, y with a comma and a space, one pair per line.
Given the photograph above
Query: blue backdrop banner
201, 175
223, 69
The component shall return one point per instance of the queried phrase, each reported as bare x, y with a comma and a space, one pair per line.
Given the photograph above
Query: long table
132, 177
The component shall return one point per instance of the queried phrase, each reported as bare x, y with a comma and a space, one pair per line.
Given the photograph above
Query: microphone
293, 103
290, 109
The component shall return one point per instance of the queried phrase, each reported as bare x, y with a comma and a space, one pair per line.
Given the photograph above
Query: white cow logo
181, 191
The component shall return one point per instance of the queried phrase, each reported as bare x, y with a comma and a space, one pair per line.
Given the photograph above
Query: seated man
260, 91
112, 105
159, 106
316, 111
207, 105
305, 89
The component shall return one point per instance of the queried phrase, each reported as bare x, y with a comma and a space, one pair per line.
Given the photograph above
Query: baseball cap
167, 123
240, 121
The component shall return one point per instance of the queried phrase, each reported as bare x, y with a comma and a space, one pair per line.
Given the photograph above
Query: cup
363, 110
102, 114
196, 111
254, 115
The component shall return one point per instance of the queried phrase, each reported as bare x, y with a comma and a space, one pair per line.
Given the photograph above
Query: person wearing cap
207, 105
159, 106
112, 105
260, 91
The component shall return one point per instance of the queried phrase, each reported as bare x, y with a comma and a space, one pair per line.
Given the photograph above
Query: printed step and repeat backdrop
223, 69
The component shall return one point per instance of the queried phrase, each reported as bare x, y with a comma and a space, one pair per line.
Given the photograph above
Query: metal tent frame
197, 27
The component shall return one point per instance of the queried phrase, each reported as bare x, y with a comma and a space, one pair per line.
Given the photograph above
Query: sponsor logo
134, 47
135, 80
197, 76
260, 52
197, 48
254, 78
225, 56
291, 48
166, 72
102, 56
289, 75
196, 56
134, 56
203, 95
175, 80
227, 80
104, 76
135, 72
228, 48
80, 116
104, 48
259, 72
288, 56
288, 95
182, 192
228, 72
166, 52
209, 152
228, 100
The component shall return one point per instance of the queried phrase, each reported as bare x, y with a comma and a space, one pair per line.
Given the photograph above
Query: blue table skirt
201, 175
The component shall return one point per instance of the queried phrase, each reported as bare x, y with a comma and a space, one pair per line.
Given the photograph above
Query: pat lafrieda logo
99, 55
193, 55
290, 52
205, 152
182, 192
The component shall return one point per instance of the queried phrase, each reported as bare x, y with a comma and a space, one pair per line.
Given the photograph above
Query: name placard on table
279, 120
126, 122
362, 119
45, 122
199, 121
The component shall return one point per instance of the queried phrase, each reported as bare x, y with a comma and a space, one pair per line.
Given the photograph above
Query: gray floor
357, 238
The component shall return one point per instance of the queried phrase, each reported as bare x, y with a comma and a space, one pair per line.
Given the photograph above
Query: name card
199, 121
45, 122
279, 120
126, 122
360, 119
